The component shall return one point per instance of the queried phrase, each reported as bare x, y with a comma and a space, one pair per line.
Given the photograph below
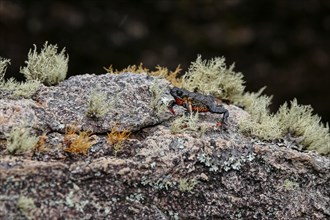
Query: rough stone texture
236, 177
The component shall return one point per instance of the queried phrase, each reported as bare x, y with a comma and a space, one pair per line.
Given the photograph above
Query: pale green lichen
48, 66
261, 123
156, 96
20, 140
213, 77
15, 90
26, 205
288, 185
187, 185
98, 104
26, 90
3, 67
12, 88
187, 123
299, 121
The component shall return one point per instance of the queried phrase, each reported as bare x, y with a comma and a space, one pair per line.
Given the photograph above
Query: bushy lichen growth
3, 67
156, 96
212, 77
299, 120
187, 185
20, 140
288, 185
26, 205
14, 89
48, 66
261, 122
98, 104
187, 123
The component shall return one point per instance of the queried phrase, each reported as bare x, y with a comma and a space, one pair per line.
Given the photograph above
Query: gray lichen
20, 140
98, 104
48, 66
213, 77
3, 67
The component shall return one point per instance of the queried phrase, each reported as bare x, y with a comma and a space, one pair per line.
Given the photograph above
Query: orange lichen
77, 143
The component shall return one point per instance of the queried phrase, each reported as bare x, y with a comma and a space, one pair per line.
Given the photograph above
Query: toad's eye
179, 93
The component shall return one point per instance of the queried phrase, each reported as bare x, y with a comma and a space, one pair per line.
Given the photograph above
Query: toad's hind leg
220, 110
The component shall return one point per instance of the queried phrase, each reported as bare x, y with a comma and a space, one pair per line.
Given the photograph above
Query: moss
77, 143
171, 76
299, 120
212, 77
48, 66
137, 69
98, 104
20, 140
3, 67
116, 138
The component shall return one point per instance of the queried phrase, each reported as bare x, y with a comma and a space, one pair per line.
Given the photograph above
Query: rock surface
216, 174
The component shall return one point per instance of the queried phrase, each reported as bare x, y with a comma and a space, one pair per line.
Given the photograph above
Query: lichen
98, 104
212, 77
226, 159
3, 67
156, 98
261, 123
15, 90
288, 185
20, 140
187, 123
187, 185
48, 66
299, 120
26, 205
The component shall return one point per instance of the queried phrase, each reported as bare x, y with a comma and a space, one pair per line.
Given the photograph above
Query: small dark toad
197, 102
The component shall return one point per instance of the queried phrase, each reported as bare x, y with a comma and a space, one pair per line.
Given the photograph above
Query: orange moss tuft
77, 143
115, 136
131, 69
41, 145
171, 76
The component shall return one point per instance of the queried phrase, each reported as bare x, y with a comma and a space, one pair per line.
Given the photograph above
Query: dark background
284, 45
